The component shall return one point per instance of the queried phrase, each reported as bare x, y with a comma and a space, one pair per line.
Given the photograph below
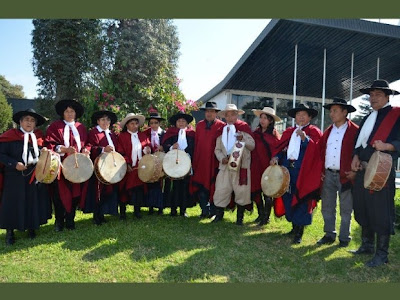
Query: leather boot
298, 234
122, 211
382, 251
203, 201
70, 220
137, 212
240, 215
261, 212
367, 242
219, 214
267, 211
10, 238
59, 224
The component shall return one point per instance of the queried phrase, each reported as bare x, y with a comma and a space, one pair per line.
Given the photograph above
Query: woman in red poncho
266, 138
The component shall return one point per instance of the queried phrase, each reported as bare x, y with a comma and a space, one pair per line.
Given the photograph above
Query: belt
333, 171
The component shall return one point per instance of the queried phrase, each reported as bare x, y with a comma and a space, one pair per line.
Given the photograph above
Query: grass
174, 249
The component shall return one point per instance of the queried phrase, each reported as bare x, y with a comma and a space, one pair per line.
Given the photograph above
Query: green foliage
6, 114
10, 90
64, 55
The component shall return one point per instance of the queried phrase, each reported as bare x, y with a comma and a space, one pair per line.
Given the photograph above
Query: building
309, 61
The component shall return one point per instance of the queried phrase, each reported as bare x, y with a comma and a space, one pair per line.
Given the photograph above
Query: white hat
230, 107
131, 116
268, 111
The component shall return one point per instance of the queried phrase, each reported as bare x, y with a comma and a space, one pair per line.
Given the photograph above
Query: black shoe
298, 234
138, 215
263, 222
173, 213
70, 224
31, 233
363, 250
204, 215
58, 226
239, 222
377, 261
122, 217
258, 219
343, 244
151, 211
160, 212
326, 240
185, 215
10, 238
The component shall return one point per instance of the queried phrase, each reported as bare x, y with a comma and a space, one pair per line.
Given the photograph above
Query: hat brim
223, 112
210, 108
367, 90
40, 120
155, 117
140, 118
62, 105
312, 112
350, 108
98, 114
175, 118
258, 113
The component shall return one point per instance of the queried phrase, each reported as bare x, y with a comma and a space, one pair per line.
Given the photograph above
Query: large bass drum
275, 181
176, 164
150, 168
377, 171
77, 167
47, 167
110, 167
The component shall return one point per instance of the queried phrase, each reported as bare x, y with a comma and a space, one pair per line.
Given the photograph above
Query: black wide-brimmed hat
98, 114
380, 84
154, 115
210, 105
62, 105
302, 107
341, 102
180, 115
29, 112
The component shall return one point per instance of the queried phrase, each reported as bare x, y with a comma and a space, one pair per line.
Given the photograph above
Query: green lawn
174, 249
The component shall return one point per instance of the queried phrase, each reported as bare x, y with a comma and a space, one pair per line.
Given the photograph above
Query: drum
110, 167
77, 168
160, 156
150, 168
275, 181
176, 164
377, 171
235, 158
47, 167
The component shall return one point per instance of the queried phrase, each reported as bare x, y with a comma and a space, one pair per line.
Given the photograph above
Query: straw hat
131, 116
268, 111
230, 107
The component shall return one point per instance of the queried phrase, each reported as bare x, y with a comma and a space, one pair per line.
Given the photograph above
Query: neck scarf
107, 132
228, 137
293, 150
27, 157
182, 141
367, 129
136, 148
155, 139
68, 126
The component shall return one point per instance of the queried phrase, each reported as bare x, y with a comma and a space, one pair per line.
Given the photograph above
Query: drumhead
77, 173
275, 181
47, 167
110, 167
147, 168
176, 164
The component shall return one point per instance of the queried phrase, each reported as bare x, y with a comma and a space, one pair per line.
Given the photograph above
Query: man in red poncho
298, 151
233, 181
205, 164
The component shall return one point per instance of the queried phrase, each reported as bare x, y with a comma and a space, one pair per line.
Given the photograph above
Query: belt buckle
291, 163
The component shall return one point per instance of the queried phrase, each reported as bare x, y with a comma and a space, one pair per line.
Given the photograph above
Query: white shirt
334, 147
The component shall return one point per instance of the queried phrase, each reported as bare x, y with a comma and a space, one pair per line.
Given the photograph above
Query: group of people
227, 163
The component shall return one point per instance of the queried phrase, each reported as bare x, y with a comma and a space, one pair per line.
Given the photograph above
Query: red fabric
205, 163
242, 126
13, 135
260, 158
67, 190
309, 180
346, 151
388, 122
131, 179
279, 207
97, 141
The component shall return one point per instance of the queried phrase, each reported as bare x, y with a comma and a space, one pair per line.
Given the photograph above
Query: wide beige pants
228, 181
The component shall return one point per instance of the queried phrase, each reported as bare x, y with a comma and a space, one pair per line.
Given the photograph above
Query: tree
64, 55
364, 109
6, 113
10, 90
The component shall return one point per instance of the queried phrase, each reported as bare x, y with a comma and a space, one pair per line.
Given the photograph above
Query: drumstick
115, 164
76, 161
177, 160
47, 159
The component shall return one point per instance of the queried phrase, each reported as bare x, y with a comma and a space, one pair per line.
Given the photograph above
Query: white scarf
367, 129
228, 137
182, 141
107, 132
293, 150
75, 132
25, 154
136, 147
155, 139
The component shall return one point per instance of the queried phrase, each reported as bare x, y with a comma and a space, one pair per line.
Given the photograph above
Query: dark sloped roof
268, 64
19, 104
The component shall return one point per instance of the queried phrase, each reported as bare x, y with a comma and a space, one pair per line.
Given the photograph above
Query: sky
209, 50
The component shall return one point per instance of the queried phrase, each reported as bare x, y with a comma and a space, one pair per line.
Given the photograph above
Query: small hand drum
77, 167
377, 171
275, 181
110, 167
176, 164
47, 167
